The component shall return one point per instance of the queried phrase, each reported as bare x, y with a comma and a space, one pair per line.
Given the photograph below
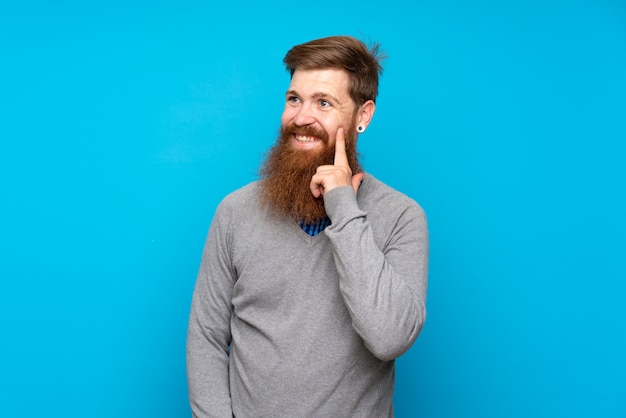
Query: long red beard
287, 171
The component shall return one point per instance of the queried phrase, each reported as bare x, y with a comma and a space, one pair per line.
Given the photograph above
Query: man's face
317, 104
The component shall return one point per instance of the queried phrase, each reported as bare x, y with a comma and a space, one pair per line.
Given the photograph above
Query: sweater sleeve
208, 334
384, 289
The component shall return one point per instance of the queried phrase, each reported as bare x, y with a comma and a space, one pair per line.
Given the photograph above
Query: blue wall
123, 125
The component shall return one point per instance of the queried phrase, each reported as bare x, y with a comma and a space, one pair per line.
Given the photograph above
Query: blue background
123, 124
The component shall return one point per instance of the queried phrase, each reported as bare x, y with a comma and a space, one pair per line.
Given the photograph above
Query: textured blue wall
123, 125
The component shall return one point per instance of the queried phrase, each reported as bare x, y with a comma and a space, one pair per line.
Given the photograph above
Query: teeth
305, 138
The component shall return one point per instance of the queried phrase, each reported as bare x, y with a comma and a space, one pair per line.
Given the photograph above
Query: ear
365, 114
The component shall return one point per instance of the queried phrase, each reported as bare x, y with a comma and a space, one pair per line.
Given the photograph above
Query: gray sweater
284, 324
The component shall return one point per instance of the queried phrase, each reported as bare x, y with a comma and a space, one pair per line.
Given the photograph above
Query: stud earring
360, 128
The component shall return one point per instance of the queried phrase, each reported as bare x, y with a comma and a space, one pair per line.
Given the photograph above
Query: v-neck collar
309, 239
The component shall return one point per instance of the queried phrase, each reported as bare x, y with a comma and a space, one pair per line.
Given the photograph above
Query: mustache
306, 130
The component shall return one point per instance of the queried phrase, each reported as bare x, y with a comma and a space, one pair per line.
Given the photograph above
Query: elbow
387, 353
394, 341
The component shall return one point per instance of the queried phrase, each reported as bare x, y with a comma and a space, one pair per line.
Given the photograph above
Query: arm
384, 288
208, 335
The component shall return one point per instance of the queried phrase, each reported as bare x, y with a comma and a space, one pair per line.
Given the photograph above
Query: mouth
305, 142
305, 139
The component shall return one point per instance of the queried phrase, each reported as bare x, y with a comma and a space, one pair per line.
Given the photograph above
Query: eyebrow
317, 95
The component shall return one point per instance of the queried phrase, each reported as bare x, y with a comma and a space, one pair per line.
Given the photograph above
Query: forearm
207, 379
207, 361
384, 288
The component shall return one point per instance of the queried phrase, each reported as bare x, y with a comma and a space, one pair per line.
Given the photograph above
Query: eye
324, 103
293, 99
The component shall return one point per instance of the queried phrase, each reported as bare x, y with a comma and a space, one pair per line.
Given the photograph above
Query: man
313, 279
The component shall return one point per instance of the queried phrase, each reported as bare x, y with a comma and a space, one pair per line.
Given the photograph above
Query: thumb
356, 181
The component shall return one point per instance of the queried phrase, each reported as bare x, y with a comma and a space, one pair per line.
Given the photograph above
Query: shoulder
240, 201
244, 194
391, 213
377, 197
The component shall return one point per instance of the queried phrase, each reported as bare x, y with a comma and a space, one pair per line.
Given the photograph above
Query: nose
304, 117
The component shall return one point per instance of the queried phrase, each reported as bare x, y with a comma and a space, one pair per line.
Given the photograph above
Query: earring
360, 128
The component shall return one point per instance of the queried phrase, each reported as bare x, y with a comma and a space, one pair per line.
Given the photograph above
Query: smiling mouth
306, 139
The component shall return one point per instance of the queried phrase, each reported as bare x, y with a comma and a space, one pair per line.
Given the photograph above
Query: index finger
341, 159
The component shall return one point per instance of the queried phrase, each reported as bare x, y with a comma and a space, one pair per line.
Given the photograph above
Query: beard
287, 171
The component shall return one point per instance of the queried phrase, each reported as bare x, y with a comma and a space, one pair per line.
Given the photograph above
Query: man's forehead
323, 81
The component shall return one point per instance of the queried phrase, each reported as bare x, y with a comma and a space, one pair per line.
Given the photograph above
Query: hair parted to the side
362, 63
